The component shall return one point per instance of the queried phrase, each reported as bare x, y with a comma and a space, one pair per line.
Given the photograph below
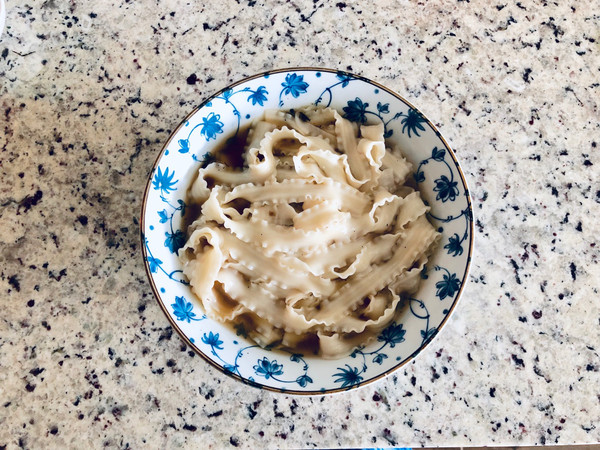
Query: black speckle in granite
234, 441
479, 225
53, 430
189, 427
92, 378
376, 397
557, 30
117, 412
573, 269
171, 363
35, 372
516, 270
251, 412
276, 412
518, 361
31, 303
30, 387
210, 394
13, 280
83, 220
53, 276
30, 201
166, 334
387, 435
215, 414
539, 373
464, 108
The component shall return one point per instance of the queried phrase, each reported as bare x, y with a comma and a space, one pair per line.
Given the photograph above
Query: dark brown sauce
229, 152
192, 212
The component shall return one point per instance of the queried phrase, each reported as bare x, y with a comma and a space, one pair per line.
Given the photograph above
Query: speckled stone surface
89, 91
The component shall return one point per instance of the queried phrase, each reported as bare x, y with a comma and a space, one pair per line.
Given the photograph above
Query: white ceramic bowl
439, 179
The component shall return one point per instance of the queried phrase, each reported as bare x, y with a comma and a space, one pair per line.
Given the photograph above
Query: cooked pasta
313, 242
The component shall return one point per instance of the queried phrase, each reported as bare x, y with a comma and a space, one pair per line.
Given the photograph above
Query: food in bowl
198, 141
309, 237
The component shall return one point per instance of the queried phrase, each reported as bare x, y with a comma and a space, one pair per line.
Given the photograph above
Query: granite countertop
89, 91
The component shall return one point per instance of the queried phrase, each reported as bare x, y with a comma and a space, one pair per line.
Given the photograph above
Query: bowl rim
186, 339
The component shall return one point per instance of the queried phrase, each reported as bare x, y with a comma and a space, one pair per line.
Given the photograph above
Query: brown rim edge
200, 352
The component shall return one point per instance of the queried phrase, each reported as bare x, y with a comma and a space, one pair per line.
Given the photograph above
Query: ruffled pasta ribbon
314, 242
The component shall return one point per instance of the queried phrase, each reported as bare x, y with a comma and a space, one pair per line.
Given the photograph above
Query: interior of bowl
436, 174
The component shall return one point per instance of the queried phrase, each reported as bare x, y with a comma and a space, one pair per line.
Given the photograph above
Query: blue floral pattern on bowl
436, 173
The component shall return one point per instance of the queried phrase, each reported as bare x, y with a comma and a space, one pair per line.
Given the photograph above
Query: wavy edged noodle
215, 173
347, 139
268, 268
202, 257
315, 242
372, 148
300, 190
307, 121
399, 167
417, 238
321, 165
